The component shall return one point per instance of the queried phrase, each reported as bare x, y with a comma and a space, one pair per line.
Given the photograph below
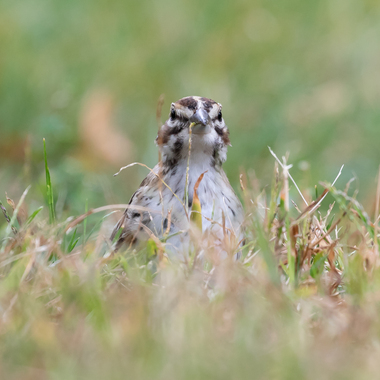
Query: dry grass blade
196, 208
311, 208
188, 167
10, 224
169, 218
294, 182
242, 180
10, 202
22, 213
329, 231
160, 103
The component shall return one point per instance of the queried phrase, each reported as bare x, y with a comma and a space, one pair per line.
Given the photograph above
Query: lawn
301, 302
81, 85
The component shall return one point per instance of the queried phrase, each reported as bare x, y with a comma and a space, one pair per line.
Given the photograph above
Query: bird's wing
132, 219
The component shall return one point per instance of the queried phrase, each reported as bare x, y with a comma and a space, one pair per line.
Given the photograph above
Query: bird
193, 144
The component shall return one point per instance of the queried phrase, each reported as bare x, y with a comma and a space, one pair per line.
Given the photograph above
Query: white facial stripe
187, 106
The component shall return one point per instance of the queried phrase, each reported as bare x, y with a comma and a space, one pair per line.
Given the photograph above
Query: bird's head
209, 133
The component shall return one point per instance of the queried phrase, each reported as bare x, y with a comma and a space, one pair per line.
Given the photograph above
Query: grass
301, 302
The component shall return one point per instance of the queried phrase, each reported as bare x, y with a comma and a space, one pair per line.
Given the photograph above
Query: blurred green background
299, 76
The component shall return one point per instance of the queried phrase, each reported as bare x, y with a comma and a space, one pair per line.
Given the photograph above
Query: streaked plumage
209, 141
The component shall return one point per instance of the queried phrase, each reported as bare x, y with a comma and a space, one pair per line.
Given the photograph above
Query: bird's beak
200, 119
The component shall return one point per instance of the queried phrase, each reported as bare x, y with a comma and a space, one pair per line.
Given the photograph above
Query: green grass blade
35, 213
49, 189
73, 242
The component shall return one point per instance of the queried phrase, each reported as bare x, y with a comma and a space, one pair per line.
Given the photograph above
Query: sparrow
192, 142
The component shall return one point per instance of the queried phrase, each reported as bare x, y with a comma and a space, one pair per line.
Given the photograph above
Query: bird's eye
172, 114
220, 116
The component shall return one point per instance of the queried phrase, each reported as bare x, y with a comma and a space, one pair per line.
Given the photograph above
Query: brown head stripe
207, 103
188, 102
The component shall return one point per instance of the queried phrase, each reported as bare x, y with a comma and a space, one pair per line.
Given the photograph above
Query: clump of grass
301, 302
